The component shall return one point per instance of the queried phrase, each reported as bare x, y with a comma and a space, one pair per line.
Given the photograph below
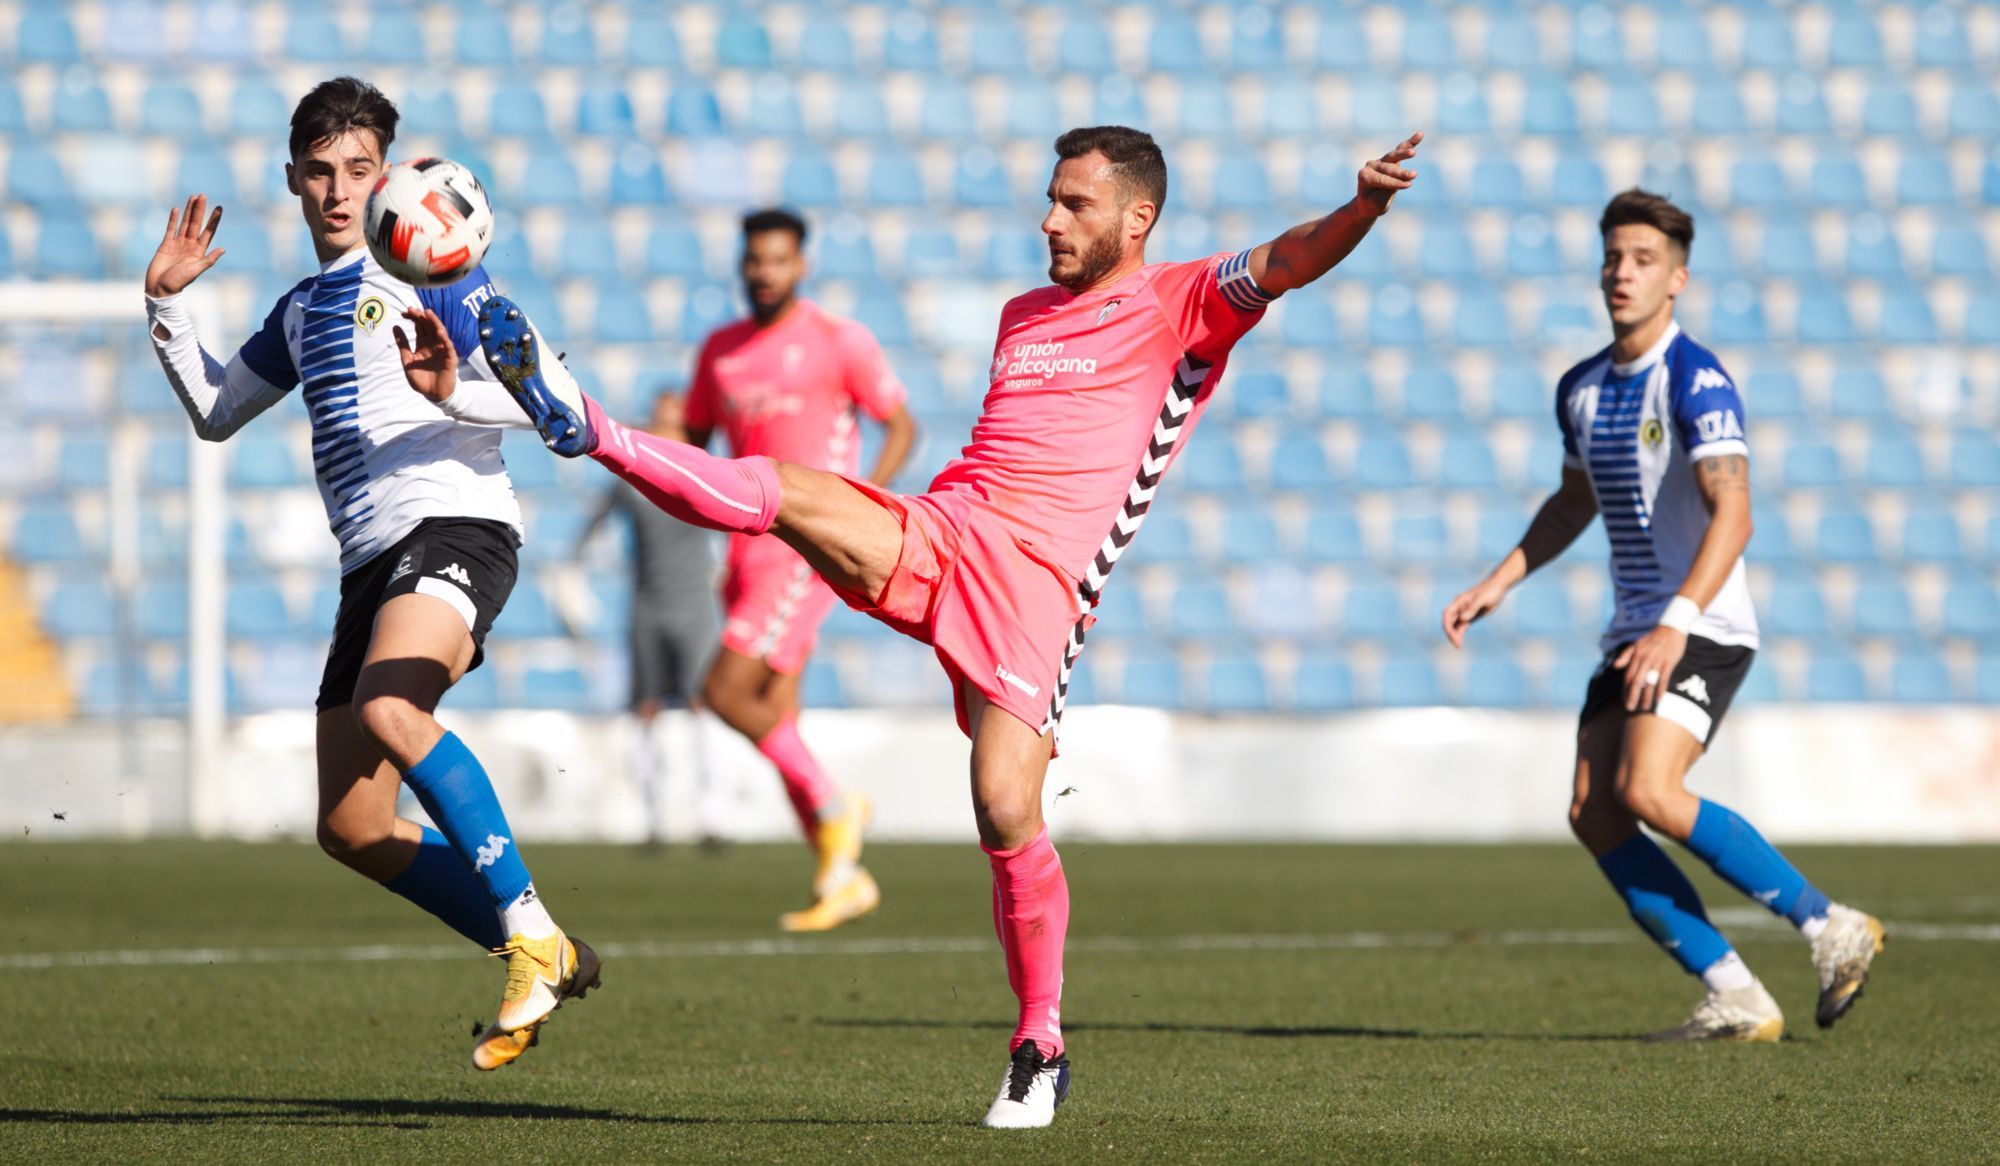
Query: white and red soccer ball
428, 222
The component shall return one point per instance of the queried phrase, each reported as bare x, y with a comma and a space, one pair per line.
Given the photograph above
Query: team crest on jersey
370, 313
1652, 433
1105, 313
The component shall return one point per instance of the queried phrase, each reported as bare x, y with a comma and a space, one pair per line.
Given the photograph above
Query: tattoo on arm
1717, 476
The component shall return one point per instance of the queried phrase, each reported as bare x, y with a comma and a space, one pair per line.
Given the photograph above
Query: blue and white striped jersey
1637, 429
385, 458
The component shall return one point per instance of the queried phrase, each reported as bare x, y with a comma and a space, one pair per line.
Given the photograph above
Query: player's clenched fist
1382, 177
183, 254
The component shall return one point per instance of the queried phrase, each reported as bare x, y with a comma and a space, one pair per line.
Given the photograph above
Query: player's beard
1093, 262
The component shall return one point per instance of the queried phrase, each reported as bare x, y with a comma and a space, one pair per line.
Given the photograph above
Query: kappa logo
457, 574
1695, 687
1709, 378
1105, 313
1766, 897
404, 566
490, 851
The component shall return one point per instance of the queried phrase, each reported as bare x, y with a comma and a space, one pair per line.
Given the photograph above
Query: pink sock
806, 784
1031, 913
739, 495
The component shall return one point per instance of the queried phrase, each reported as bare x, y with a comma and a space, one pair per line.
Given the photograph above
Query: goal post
121, 303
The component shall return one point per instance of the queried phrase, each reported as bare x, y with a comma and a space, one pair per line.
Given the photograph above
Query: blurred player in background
673, 629
1096, 382
1653, 439
428, 527
786, 383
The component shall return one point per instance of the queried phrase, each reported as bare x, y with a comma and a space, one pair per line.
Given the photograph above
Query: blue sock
1733, 849
1664, 903
440, 882
455, 791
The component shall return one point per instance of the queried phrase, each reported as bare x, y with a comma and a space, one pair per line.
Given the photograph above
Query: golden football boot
849, 901
837, 842
1740, 1014
499, 1045
1841, 954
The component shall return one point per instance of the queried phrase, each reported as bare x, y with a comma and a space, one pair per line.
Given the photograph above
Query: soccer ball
428, 222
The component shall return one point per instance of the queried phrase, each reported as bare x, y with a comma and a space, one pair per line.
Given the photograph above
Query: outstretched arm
1310, 250
219, 399
1566, 514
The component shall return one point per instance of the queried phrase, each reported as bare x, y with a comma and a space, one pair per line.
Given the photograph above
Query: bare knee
1007, 821
1599, 823
349, 839
1647, 795
728, 698
401, 729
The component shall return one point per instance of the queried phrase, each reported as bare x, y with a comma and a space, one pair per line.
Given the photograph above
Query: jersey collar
1651, 356
338, 262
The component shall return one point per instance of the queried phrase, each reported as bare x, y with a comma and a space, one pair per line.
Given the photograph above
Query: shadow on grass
385, 1113
1287, 1031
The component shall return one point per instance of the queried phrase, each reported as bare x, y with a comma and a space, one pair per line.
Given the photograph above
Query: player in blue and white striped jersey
1653, 439
418, 497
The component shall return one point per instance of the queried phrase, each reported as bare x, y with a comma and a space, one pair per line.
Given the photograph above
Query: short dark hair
1643, 208
337, 106
1136, 161
774, 218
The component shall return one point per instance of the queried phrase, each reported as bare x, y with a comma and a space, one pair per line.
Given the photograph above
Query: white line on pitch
936, 945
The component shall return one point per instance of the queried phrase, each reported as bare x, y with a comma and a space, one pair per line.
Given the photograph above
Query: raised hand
1382, 177
430, 362
183, 254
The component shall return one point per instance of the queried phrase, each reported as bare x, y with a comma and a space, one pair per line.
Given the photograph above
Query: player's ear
1139, 218
1677, 283
291, 179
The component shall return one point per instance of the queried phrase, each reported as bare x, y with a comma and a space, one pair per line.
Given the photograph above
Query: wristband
1680, 614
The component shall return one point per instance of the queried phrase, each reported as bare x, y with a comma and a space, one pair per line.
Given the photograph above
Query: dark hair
1136, 161
1644, 208
775, 218
337, 106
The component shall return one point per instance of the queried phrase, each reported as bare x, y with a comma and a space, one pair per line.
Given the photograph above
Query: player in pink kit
785, 384
1096, 383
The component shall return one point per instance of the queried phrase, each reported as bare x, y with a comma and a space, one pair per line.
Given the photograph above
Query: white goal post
83, 302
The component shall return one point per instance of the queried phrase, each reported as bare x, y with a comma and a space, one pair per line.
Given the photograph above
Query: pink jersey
1091, 396
789, 391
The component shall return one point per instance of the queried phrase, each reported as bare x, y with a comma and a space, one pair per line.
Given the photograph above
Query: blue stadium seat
1119, 102
1838, 182
1308, 321
1906, 316
1925, 180
1382, 462
1513, 42
1034, 112
674, 249
1882, 608
133, 32
46, 532
636, 177
1959, 248
1597, 42
1767, 40
1975, 459
1422, 539
1682, 38
1889, 111
1198, 608
1153, 680
1578, 181
1242, 183
483, 39
1480, 320
1174, 43
707, 307
1465, 462
518, 110
314, 35
1858, 391
895, 180
263, 461
1251, 536
1236, 683
1795, 608
80, 608
588, 247
1941, 41
947, 113
1812, 461
1895, 461
160, 610
258, 110
909, 44
931, 251
1427, 42
1853, 41
1846, 536
1375, 106
395, 37
604, 110
1495, 682
1823, 317
1256, 41
1931, 535
1759, 182
1872, 249
1531, 249
741, 42
1974, 109
549, 179
1445, 252
1210, 465
1408, 680
773, 111
1802, 108
171, 109
621, 316
1773, 392
1430, 391
858, 111
1835, 675
83, 463
1788, 248
882, 314
820, 685
1260, 394
692, 111
65, 246
845, 251
1016, 255
1084, 46
45, 35
1631, 110
1548, 108
567, 38
996, 45
1920, 675
562, 688
79, 106
1986, 678
1166, 538
651, 41
1393, 320
809, 180
1971, 609
1323, 683
1372, 611
1461, 106
1718, 108
1982, 313
256, 609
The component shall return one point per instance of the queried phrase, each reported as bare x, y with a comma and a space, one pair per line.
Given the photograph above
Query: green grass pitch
1224, 1003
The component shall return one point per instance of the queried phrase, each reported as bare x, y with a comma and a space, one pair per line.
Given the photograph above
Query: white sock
526, 916
1727, 974
646, 772
709, 803
1812, 927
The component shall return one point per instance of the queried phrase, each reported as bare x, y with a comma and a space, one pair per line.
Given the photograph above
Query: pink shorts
1000, 616
773, 603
